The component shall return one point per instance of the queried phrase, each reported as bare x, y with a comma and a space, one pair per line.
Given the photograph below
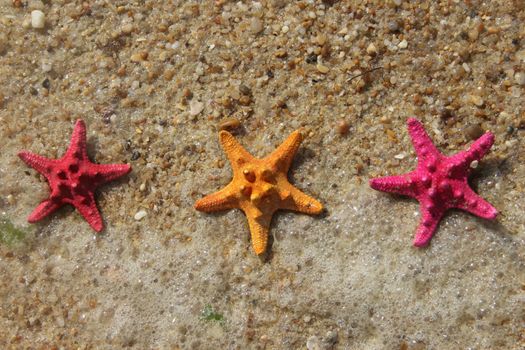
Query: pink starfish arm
39, 163
45, 208
110, 172
476, 205
400, 184
77, 145
460, 162
423, 145
88, 209
476, 151
430, 217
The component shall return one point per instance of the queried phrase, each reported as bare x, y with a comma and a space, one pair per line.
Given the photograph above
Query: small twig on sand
361, 74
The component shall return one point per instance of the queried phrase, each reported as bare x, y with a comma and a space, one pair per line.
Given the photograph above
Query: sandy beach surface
156, 80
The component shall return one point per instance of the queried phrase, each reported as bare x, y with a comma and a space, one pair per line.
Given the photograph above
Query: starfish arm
296, 200
430, 217
45, 208
259, 230
220, 200
422, 142
110, 172
37, 162
233, 149
88, 209
480, 147
400, 184
476, 205
283, 156
77, 145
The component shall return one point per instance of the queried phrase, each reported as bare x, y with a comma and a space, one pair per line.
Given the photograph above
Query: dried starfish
73, 179
260, 187
439, 182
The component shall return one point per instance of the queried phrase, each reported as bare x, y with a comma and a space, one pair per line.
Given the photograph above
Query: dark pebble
311, 58
135, 155
46, 83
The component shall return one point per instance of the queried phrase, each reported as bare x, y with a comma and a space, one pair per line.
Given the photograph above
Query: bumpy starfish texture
439, 183
73, 179
260, 187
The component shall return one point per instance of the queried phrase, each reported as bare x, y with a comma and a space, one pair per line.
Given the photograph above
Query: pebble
477, 100
196, 107
313, 343
343, 127
322, 69
393, 26
229, 124
403, 44
474, 164
256, 26
371, 49
141, 214
474, 131
520, 78
285, 29
38, 19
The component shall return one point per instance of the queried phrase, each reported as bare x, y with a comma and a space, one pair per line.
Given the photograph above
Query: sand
156, 80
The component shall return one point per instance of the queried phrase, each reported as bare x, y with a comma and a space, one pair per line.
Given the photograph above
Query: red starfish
439, 182
73, 179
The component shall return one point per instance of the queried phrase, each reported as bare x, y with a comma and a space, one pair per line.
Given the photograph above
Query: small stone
46, 67
142, 187
477, 100
474, 164
473, 34
400, 156
10, 199
243, 89
520, 78
229, 124
127, 28
371, 49
256, 26
322, 69
139, 56
393, 26
330, 338
196, 107
141, 214
285, 29
403, 44
313, 343
474, 131
38, 19
343, 127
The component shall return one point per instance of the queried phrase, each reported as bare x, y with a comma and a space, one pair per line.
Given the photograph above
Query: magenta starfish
73, 179
439, 183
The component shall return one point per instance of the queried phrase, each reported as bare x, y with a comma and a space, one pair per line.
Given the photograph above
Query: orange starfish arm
220, 200
259, 230
283, 156
235, 152
296, 200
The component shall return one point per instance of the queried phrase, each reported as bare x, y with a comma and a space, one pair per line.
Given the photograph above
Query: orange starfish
260, 187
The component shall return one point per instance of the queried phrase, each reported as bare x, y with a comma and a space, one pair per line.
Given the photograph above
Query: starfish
73, 179
260, 187
439, 183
